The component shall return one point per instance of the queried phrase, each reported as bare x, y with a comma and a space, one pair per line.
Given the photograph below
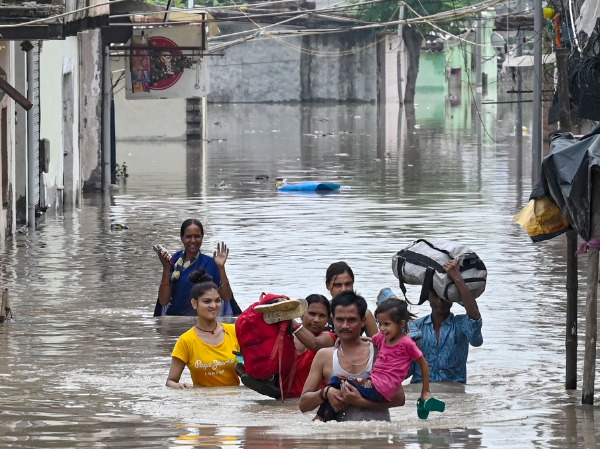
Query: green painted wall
432, 71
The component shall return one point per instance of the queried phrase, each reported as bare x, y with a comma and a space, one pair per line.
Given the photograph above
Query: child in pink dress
395, 352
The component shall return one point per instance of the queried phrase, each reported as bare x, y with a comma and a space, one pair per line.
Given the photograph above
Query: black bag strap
430, 265
424, 261
427, 283
432, 246
399, 262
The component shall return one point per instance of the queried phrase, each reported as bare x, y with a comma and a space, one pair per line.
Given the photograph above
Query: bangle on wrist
297, 329
166, 284
325, 392
224, 283
323, 395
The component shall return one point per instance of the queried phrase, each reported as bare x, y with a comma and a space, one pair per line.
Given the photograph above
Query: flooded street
84, 363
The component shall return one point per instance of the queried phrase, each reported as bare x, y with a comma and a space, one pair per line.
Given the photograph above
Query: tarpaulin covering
567, 177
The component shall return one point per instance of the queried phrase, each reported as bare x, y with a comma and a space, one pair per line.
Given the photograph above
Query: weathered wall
432, 71
328, 68
7, 164
58, 62
389, 69
90, 117
461, 54
20, 181
145, 119
335, 67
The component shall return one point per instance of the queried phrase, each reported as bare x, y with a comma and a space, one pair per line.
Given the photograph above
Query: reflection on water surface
84, 363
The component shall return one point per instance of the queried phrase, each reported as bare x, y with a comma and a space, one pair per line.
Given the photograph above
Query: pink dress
392, 364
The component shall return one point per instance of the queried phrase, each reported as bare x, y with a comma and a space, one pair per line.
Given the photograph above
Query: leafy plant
388, 11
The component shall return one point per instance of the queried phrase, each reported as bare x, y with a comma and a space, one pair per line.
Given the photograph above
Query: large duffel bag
422, 263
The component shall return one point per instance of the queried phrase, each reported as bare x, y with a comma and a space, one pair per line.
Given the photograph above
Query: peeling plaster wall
305, 69
337, 68
146, 119
57, 59
20, 183
8, 210
90, 116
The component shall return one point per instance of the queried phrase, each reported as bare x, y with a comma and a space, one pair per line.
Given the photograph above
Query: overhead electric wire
573, 29
316, 52
58, 16
284, 13
374, 25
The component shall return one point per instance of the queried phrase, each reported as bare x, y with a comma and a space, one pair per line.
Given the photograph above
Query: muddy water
83, 363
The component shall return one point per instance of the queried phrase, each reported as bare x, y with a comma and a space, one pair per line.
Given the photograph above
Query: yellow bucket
548, 12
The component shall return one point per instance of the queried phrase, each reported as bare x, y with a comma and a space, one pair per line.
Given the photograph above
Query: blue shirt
447, 359
181, 303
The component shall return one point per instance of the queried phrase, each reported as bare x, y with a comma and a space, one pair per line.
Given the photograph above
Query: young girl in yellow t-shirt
207, 348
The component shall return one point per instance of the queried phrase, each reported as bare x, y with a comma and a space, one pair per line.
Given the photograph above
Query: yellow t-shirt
210, 366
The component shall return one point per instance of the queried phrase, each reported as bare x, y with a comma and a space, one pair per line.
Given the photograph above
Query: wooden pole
536, 134
571, 324
564, 101
3, 305
15, 95
400, 58
591, 312
562, 65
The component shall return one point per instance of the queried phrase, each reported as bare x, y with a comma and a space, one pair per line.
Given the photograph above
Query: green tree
174, 3
184, 3
412, 35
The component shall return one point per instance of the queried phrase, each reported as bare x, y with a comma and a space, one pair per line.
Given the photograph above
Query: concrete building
49, 143
285, 64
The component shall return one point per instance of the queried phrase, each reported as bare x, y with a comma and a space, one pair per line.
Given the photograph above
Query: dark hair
189, 222
315, 298
350, 298
397, 308
202, 283
337, 268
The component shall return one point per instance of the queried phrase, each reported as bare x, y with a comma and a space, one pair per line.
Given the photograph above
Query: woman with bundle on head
175, 285
207, 348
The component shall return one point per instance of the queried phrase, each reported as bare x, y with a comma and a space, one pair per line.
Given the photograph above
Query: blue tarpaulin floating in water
309, 186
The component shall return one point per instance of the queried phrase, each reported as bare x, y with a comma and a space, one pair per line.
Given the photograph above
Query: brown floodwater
83, 363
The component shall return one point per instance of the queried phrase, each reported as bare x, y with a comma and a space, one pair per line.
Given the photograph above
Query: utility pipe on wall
31, 172
401, 62
478, 54
106, 117
536, 135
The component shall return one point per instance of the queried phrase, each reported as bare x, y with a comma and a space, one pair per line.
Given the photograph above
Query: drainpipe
400, 64
478, 55
205, 118
536, 135
106, 117
31, 175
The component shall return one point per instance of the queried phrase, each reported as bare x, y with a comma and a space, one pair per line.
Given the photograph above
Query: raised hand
165, 259
221, 254
452, 267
